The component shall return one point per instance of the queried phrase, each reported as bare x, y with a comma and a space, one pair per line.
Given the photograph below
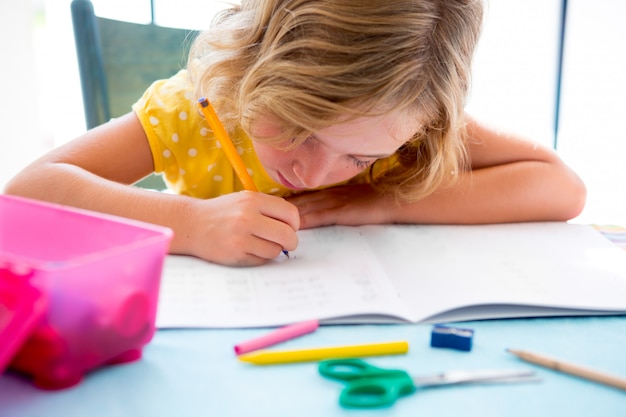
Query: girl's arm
511, 180
94, 172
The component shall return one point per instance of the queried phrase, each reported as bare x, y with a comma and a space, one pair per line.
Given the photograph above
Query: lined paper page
455, 273
420, 273
332, 273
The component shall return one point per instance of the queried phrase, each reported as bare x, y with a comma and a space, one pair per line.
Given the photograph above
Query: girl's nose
311, 170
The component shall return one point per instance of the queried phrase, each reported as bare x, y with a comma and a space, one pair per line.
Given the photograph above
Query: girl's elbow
14, 186
574, 199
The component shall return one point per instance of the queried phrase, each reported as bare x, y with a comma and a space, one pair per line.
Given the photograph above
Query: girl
345, 112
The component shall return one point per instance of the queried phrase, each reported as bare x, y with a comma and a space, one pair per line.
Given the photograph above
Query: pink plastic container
78, 289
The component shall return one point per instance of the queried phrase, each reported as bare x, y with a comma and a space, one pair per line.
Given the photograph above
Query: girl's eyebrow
374, 156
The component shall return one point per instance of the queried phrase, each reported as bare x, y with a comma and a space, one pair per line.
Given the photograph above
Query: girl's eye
361, 164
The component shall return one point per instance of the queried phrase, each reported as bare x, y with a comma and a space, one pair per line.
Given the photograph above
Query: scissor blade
476, 377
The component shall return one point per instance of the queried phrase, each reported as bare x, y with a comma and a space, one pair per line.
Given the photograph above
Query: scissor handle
351, 369
368, 386
376, 391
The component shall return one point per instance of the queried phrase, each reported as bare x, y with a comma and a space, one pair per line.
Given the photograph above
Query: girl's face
333, 154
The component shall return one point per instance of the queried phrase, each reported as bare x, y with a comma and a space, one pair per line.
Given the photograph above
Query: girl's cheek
269, 156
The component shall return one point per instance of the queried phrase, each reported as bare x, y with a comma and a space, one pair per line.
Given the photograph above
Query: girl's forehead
396, 126
266, 127
377, 137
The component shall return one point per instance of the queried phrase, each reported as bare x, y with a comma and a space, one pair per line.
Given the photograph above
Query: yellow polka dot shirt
184, 149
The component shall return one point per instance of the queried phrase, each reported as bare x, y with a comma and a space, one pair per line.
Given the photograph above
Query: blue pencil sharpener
451, 337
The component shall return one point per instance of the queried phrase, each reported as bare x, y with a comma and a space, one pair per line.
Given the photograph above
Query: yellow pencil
224, 140
271, 357
568, 368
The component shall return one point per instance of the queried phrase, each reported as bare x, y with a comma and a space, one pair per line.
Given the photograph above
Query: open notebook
421, 273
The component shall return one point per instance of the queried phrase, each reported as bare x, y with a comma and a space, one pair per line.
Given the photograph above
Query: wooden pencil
227, 145
571, 369
229, 148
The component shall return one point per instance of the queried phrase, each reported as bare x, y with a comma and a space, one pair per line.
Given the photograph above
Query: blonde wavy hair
306, 63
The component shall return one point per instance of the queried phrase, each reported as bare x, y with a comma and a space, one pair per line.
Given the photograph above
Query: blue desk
195, 373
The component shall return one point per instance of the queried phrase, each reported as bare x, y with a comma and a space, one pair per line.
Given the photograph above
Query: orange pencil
224, 140
227, 144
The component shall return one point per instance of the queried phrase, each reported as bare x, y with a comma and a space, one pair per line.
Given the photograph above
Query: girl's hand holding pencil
255, 227
240, 229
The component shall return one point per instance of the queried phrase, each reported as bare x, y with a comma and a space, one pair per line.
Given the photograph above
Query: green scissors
368, 386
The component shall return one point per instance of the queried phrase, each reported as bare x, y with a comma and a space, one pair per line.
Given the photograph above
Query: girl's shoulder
168, 110
168, 95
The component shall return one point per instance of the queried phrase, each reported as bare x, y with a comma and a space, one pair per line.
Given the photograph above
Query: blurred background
516, 80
